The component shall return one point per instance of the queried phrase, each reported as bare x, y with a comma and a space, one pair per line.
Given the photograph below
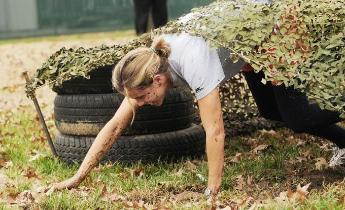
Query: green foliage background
298, 43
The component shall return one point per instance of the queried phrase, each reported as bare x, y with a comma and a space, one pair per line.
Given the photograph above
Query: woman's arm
212, 120
104, 140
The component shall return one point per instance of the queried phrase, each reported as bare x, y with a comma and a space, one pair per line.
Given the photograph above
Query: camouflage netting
305, 50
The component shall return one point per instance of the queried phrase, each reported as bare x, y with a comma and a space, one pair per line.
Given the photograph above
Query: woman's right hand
67, 184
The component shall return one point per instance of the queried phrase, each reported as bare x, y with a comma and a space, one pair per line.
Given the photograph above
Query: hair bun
161, 47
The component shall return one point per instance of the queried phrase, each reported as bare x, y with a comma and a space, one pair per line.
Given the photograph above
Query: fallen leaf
201, 177
300, 143
251, 142
36, 155
81, 191
30, 173
139, 204
115, 197
236, 158
3, 163
8, 164
298, 196
259, 148
269, 132
321, 163
104, 190
302, 192
187, 196
12, 197
301, 159
249, 180
307, 154
110, 196
240, 182
129, 204
4, 181
179, 172
26, 198
137, 172
191, 167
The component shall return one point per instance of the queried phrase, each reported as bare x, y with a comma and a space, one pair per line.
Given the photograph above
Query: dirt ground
19, 57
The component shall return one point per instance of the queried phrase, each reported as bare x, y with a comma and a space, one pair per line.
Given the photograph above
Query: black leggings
292, 107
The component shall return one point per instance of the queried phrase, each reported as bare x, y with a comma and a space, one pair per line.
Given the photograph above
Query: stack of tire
167, 133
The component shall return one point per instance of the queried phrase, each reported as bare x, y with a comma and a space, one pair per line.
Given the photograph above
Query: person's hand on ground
66, 184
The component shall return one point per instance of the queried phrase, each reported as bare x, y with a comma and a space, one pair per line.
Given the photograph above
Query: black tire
99, 82
87, 114
170, 146
174, 95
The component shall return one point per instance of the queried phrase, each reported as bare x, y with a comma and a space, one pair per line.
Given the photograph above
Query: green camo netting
305, 50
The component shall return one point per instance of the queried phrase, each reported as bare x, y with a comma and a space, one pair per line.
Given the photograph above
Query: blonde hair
138, 67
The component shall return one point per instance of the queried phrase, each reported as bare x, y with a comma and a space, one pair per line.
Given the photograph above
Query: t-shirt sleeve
200, 66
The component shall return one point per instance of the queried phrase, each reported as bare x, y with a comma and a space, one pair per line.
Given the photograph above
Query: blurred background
26, 18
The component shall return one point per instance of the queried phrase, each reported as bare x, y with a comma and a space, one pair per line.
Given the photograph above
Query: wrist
211, 190
77, 179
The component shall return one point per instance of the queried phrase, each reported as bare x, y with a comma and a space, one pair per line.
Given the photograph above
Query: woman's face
151, 95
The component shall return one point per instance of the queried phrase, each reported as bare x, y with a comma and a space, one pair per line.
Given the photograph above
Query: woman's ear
158, 79
161, 79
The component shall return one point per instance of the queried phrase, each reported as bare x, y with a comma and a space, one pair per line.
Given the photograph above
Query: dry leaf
110, 196
191, 167
137, 172
201, 177
240, 182
139, 204
187, 196
307, 154
104, 190
4, 181
179, 172
3, 163
302, 192
236, 158
8, 164
301, 159
298, 196
251, 142
249, 180
269, 132
300, 142
259, 148
129, 204
321, 163
113, 197
36, 156
30, 173
81, 191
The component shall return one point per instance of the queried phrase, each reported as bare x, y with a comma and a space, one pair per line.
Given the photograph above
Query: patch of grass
331, 198
261, 175
3, 207
66, 200
71, 37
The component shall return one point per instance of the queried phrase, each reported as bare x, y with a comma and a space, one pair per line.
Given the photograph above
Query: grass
253, 179
264, 175
71, 37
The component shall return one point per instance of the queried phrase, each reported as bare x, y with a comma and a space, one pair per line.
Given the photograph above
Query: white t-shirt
195, 63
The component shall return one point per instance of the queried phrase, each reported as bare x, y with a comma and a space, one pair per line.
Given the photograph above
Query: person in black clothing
292, 107
142, 9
